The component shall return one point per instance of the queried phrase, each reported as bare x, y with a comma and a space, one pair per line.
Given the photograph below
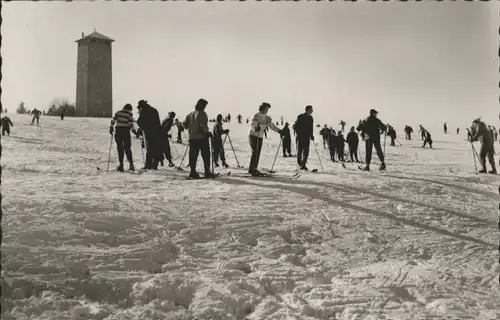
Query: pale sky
414, 62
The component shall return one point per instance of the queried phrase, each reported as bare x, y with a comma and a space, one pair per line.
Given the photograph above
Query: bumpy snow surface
418, 241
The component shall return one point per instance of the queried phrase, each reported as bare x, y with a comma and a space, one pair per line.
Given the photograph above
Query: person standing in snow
239, 117
36, 116
408, 131
260, 122
487, 146
445, 128
180, 130
166, 125
392, 134
287, 141
197, 125
422, 132
428, 139
121, 125
353, 142
229, 118
332, 144
6, 124
217, 143
149, 122
458, 131
341, 146
62, 113
325, 132
372, 127
304, 126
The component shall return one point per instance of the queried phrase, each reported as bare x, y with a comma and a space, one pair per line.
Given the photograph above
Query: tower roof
95, 35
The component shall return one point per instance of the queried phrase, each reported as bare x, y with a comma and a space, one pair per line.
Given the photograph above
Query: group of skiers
156, 136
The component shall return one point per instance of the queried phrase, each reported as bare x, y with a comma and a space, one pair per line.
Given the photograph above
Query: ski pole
474, 156
142, 148
319, 158
211, 147
109, 153
179, 168
235, 157
385, 136
275, 157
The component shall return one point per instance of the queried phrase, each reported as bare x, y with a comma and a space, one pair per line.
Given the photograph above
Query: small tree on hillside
21, 109
57, 106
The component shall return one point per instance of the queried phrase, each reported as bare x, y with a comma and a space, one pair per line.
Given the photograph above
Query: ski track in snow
417, 241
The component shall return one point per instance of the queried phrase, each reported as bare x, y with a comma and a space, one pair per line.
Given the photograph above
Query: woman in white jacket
260, 122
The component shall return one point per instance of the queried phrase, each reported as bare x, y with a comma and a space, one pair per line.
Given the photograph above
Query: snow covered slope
419, 240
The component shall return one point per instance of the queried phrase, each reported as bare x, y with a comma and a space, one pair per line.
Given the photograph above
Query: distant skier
408, 131
422, 132
282, 120
392, 134
341, 146
260, 122
342, 124
372, 127
248, 120
229, 118
149, 122
239, 117
428, 139
180, 130
458, 131
197, 125
286, 140
121, 125
217, 143
304, 126
6, 123
36, 116
166, 125
487, 146
332, 144
353, 142
62, 113
445, 128
325, 133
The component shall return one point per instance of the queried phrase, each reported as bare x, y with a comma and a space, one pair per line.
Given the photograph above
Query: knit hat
128, 107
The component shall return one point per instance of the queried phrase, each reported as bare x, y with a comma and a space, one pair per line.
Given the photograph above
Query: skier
62, 114
260, 122
248, 120
36, 116
341, 146
325, 132
408, 131
149, 122
5, 123
392, 134
458, 131
239, 117
197, 125
353, 142
487, 146
166, 125
282, 119
229, 118
342, 124
180, 130
445, 128
332, 144
286, 141
372, 126
304, 126
217, 143
123, 122
428, 139
422, 132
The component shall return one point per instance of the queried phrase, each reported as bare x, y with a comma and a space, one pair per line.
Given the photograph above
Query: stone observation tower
94, 96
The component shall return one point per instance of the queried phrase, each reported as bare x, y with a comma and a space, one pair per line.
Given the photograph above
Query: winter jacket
6, 123
483, 133
149, 120
197, 125
372, 127
285, 133
261, 122
166, 125
352, 138
123, 119
218, 131
304, 126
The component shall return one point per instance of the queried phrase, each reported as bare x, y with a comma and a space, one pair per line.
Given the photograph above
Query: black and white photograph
250, 160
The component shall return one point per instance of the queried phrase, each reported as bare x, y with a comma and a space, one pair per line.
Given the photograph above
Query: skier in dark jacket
325, 133
36, 116
197, 125
458, 131
353, 142
445, 128
62, 113
408, 131
239, 117
217, 143
166, 125
372, 127
304, 126
487, 146
229, 118
149, 122
121, 125
332, 144
180, 130
428, 138
392, 134
287, 141
6, 124
341, 146
422, 132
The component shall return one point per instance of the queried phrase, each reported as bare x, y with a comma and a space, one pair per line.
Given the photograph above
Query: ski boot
120, 168
131, 167
304, 168
285, 156
482, 171
366, 168
209, 175
492, 172
194, 175
382, 167
216, 164
171, 164
225, 165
